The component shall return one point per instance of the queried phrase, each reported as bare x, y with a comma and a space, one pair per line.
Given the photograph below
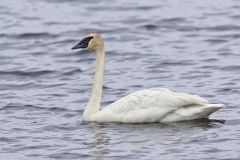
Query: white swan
150, 105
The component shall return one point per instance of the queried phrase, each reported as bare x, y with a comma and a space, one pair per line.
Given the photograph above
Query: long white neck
93, 105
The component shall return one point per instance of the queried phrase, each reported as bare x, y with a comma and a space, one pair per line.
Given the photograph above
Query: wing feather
148, 105
156, 97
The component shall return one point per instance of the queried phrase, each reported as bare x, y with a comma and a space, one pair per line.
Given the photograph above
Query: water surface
184, 45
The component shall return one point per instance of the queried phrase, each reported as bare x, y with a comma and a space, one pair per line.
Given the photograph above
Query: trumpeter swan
150, 105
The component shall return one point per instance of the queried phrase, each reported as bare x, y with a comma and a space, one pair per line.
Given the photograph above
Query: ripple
150, 26
8, 140
72, 72
210, 60
231, 68
124, 8
28, 107
18, 86
26, 73
18, 107
177, 63
55, 128
174, 20
28, 35
216, 41
233, 122
68, 155
223, 28
230, 36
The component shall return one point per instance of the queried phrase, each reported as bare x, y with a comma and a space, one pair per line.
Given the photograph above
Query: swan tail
192, 112
210, 108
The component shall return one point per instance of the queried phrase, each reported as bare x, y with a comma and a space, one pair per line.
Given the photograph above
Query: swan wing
159, 97
152, 105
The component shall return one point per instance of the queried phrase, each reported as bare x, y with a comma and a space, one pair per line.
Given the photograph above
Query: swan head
92, 41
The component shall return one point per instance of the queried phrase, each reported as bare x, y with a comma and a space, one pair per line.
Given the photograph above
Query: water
190, 46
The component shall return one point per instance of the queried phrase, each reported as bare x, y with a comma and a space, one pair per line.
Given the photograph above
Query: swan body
156, 105
149, 105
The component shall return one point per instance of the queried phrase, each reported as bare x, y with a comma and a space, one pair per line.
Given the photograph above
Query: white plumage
150, 105
156, 105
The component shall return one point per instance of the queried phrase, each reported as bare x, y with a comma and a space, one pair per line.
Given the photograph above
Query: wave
27, 73
29, 35
16, 106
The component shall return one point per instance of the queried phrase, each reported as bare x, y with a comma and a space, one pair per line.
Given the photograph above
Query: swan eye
83, 43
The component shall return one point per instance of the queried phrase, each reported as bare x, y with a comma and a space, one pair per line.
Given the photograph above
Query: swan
150, 105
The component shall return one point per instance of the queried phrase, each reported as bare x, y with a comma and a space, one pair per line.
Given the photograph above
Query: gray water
189, 46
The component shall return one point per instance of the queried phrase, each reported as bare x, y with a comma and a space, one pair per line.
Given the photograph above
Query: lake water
188, 46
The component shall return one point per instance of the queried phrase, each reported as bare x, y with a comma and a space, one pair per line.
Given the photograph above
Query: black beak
83, 43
